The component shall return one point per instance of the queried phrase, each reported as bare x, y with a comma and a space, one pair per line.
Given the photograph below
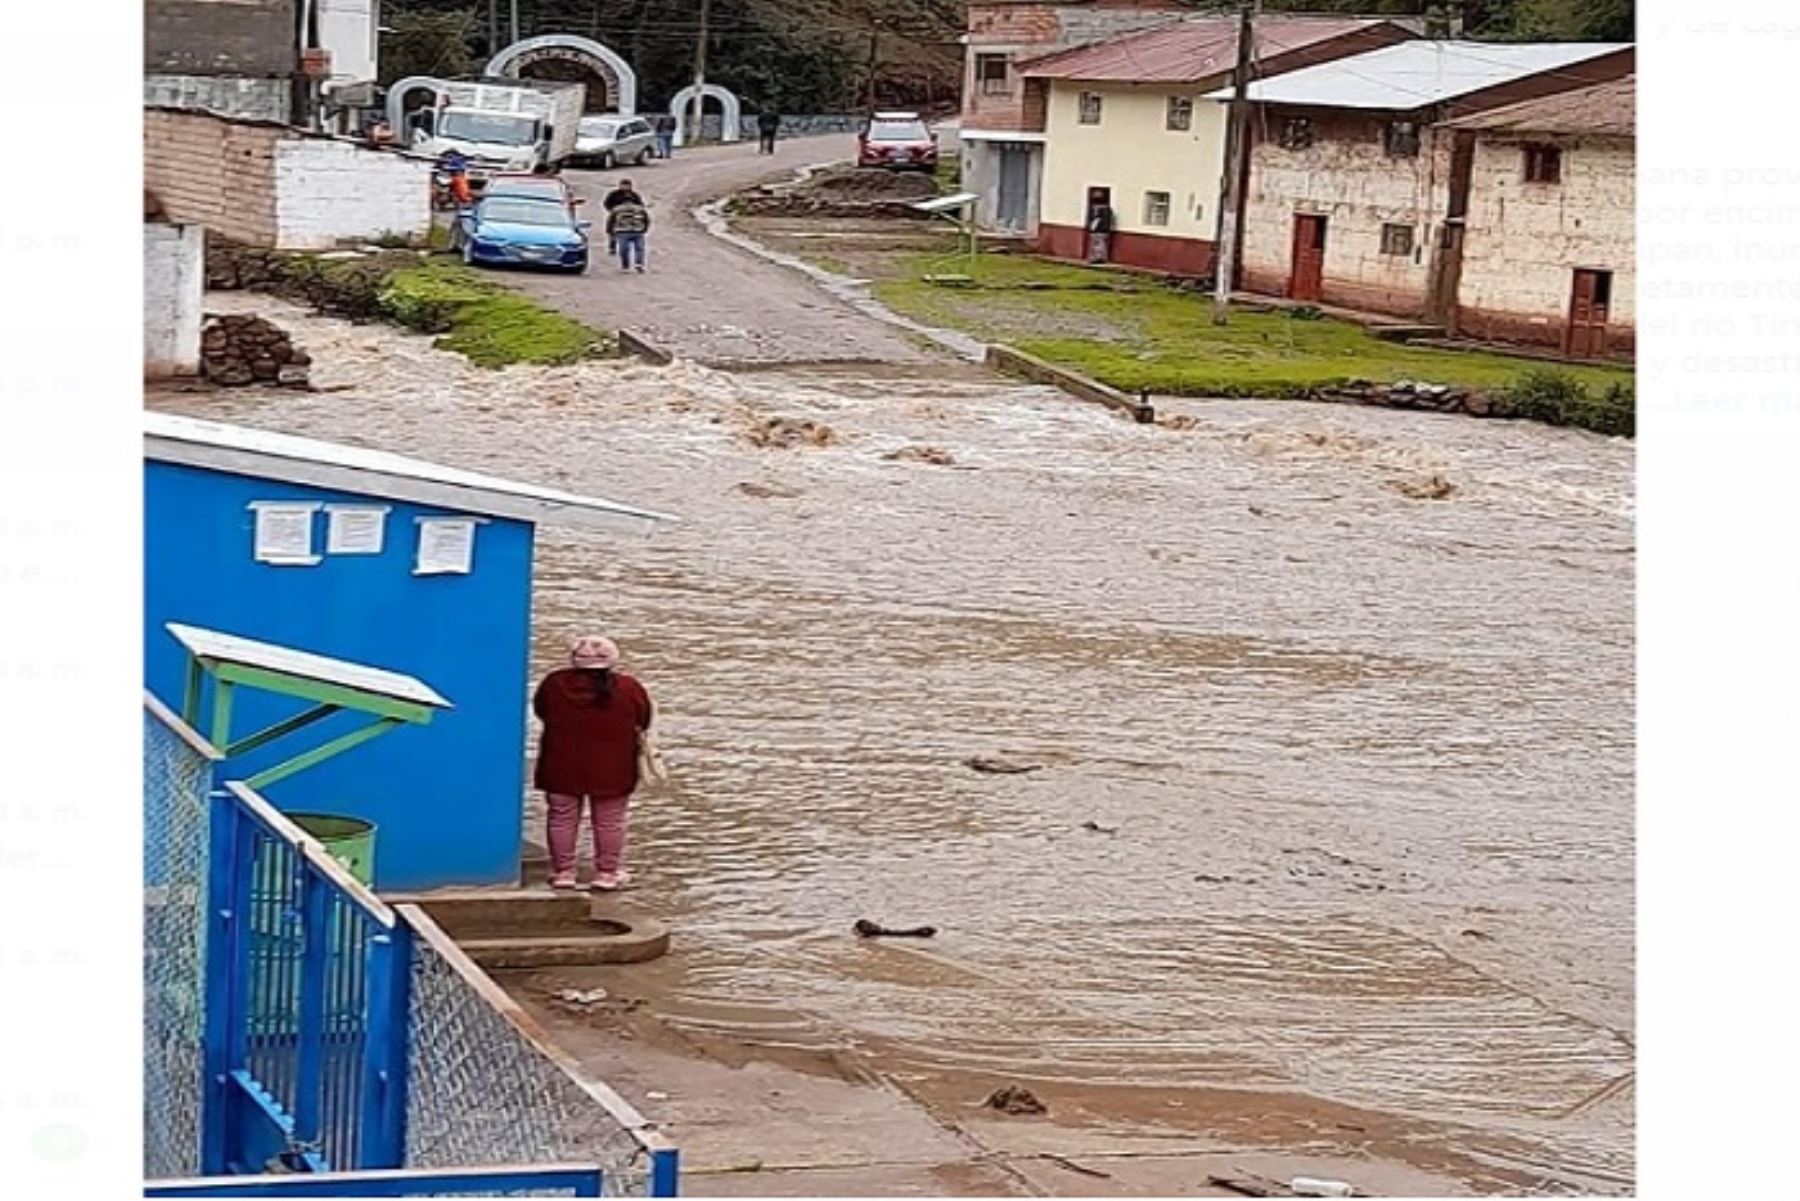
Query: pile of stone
232, 265
241, 349
1411, 394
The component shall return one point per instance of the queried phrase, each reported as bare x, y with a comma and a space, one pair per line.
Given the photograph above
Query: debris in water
1481, 934
1070, 1164
999, 767
1179, 421
767, 491
1313, 1186
653, 1095
581, 996
1096, 828
1014, 1099
1432, 487
785, 433
937, 456
867, 929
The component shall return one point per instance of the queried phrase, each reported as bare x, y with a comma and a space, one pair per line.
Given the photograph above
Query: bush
1557, 398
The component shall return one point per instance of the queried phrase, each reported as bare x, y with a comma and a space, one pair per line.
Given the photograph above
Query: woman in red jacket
594, 717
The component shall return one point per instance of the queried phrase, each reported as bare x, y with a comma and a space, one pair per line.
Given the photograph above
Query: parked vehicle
609, 141
533, 187
499, 125
897, 141
517, 231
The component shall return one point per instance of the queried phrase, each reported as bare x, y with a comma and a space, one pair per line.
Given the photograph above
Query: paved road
707, 300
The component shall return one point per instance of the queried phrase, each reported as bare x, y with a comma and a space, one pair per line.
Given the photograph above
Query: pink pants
565, 828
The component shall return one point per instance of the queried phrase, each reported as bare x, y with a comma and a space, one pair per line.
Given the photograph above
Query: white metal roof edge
241, 450
1003, 135
327, 669
1388, 74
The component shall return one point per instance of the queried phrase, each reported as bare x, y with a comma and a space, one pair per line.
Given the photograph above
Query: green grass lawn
1136, 332
492, 325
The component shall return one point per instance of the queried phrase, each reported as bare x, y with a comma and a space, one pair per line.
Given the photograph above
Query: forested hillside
839, 55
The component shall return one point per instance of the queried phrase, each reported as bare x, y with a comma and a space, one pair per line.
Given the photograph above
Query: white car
610, 141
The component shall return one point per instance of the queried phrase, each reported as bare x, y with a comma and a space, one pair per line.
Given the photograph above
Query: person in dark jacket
628, 224
768, 124
1099, 229
622, 192
665, 126
595, 718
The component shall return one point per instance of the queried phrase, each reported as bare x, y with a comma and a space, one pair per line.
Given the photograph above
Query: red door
1307, 277
1589, 302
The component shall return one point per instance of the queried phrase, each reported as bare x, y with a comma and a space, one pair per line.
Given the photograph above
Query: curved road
701, 297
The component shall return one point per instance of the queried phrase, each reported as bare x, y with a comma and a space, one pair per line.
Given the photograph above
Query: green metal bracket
319, 754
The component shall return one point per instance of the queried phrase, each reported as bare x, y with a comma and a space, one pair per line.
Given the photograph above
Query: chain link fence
177, 780
481, 1092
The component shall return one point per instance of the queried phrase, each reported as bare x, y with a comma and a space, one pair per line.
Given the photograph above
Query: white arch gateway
729, 128
602, 60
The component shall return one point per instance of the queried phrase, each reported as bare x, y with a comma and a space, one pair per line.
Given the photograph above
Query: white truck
498, 125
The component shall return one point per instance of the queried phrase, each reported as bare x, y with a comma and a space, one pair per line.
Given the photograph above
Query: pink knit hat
591, 650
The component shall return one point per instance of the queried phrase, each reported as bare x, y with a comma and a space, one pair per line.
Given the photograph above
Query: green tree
427, 42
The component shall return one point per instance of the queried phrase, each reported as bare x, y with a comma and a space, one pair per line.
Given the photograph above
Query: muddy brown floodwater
1361, 760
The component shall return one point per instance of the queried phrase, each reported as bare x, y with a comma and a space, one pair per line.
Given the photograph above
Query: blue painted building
378, 559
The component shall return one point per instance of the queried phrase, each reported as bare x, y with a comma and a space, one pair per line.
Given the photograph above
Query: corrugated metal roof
243, 451
1187, 51
1415, 74
1608, 109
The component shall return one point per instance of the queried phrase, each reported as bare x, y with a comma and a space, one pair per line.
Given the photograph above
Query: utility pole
874, 64
1237, 158
699, 107
515, 20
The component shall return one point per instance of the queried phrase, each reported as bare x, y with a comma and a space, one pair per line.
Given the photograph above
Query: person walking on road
768, 124
596, 720
627, 225
622, 191
665, 135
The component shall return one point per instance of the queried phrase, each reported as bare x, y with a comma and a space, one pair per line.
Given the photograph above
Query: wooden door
1306, 278
1590, 299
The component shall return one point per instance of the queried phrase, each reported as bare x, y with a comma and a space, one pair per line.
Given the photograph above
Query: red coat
589, 748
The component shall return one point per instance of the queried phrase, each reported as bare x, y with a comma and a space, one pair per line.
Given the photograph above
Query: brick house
1358, 190
1002, 127
1549, 249
1129, 122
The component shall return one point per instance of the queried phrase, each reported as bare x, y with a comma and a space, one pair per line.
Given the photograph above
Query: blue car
518, 231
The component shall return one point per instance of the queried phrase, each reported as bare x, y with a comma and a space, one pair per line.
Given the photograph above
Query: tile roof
1187, 51
1609, 109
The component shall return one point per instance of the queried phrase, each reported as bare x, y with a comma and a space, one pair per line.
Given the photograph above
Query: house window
1156, 208
1397, 240
1089, 111
1543, 164
1180, 113
1400, 139
1296, 133
990, 75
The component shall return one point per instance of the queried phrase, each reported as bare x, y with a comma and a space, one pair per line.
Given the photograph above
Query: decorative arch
621, 80
729, 128
396, 101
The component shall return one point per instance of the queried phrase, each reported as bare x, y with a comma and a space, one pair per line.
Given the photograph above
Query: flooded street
1333, 798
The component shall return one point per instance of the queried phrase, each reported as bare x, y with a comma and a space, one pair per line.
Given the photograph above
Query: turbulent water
1347, 694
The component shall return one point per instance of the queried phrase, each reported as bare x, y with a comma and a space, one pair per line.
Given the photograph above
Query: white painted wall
1133, 151
174, 288
347, 29
331, 191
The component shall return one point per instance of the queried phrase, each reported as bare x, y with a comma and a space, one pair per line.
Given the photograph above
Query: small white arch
603, 60
729, 128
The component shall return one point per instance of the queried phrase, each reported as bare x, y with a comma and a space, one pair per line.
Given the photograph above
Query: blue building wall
445, 797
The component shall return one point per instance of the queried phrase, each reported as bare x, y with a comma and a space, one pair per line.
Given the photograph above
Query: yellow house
1128, 125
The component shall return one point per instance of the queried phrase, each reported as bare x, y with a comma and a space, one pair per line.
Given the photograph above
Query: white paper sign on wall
446, 546
284, 532
355, 529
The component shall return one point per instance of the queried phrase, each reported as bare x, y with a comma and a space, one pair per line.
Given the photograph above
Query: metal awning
391, 698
